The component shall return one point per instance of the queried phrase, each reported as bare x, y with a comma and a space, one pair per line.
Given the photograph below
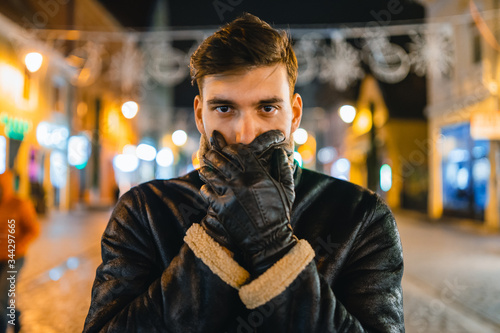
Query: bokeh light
385, 177
130, 109
297, 157
327, 154
165, 157
179, 138
300, 136
145, 152
347, 113
33, 61
126, 162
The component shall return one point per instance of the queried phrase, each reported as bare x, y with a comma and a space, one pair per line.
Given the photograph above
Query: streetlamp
33, 61
347, 113
130, 109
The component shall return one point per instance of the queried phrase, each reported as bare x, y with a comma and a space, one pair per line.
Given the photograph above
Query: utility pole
372, 163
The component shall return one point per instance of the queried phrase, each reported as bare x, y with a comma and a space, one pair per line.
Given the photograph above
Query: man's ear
198, 114
296, 111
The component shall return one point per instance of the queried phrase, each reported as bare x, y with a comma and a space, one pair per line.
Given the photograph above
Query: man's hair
244, 43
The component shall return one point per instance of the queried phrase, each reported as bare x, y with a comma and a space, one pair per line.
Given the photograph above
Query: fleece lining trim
216, 257
277, 278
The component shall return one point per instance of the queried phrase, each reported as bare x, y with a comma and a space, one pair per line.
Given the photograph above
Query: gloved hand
262, 149
250, 189
216, 230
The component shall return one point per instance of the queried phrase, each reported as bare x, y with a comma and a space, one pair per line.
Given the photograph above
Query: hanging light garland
330, 55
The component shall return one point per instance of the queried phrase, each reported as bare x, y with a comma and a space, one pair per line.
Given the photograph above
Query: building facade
60, 127
393, 148
464, 115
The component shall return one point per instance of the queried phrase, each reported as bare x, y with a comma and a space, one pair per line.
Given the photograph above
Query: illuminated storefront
463, 109
466, 171
387, 153
34, 95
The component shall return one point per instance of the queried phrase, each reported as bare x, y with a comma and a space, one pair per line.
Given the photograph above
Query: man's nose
246, 130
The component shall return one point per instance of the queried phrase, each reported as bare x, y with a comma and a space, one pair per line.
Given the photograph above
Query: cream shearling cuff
215, 256
277, 278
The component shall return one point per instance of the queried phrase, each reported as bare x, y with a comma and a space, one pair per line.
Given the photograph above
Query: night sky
185, 13
406, 99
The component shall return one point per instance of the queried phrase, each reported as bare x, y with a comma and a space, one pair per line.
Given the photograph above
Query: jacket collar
297, 173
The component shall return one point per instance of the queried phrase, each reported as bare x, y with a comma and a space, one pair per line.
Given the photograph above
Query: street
451, 281
55, 283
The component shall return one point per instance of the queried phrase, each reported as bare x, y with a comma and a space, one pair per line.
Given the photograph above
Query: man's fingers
213, 178
238, 153
208, 194
281, 170
266, 140
217, 140
218, 161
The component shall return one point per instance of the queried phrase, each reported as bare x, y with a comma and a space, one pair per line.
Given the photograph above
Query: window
466, 171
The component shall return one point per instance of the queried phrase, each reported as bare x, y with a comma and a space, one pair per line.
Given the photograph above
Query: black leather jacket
151, 281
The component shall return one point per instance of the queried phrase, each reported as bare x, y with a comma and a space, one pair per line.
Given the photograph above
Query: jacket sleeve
131, 293
293, 297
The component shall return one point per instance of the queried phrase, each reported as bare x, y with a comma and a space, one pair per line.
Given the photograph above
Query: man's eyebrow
220, 101
272, 100
224, 101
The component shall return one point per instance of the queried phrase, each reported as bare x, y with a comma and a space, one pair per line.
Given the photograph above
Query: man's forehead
272, 77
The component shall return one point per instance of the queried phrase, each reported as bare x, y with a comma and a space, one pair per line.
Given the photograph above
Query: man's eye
223, 109
268, 108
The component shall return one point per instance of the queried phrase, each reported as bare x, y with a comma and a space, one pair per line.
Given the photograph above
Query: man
250, 242
18, 229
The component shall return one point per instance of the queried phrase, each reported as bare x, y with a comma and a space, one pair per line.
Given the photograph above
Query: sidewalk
55, 283
452, 273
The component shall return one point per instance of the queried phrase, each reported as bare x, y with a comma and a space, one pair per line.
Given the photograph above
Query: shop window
466, 171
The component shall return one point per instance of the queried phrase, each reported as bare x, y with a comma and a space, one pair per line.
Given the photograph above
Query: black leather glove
216, 230
251, 191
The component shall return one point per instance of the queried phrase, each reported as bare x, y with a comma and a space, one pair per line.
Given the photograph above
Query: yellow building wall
407, 154
404, 143
14, 106
39, 107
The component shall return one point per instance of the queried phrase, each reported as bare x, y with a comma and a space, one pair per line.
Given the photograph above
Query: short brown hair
243, 43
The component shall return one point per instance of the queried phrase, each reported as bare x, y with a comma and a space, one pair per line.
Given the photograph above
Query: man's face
246, 104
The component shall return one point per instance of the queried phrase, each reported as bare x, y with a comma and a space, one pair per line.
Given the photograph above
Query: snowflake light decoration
166, 64
305, 51
432, 51
388, 62
341, 64
127, 66
87, 60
